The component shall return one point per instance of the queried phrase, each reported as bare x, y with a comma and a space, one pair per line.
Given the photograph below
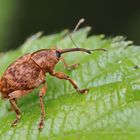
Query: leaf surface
110, 110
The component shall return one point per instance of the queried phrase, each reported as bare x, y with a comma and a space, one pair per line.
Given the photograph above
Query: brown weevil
28, 72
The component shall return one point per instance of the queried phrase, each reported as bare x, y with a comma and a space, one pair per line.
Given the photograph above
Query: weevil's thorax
45, 59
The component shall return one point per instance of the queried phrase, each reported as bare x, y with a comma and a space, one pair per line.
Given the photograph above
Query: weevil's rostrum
28, 72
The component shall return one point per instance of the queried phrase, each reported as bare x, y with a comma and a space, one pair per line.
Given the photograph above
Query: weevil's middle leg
62, 75
17, 111
41, 94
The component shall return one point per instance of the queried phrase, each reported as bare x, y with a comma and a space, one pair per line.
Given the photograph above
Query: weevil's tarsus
75, 29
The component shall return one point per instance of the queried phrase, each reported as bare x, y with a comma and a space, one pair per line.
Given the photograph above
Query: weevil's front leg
41, 94
17, 111
62, 75
71, 67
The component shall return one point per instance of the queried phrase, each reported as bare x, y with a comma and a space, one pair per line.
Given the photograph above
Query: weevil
28, 72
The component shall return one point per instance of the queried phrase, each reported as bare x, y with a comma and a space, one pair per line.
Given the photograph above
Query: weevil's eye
58, 54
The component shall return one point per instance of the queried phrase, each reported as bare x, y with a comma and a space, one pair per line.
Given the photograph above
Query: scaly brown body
28, 72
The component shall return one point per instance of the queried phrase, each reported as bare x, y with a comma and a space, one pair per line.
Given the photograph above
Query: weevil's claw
83, 91
16, 121
41, 125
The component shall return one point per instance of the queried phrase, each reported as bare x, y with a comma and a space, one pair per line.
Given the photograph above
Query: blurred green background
21, 18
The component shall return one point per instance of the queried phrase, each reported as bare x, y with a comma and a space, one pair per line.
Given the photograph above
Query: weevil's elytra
28, 72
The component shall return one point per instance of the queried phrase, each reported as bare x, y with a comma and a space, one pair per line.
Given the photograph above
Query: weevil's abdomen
23, 74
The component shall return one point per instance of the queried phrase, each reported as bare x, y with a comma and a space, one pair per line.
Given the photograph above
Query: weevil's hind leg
12, 98
62, 75
17, 111
11, 108
18, 93
41, 94
71, 67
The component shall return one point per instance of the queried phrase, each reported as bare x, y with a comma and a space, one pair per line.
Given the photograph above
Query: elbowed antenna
75, 29
81, 49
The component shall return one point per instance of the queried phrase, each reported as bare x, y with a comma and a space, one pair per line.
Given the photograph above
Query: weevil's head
48, 58
57, 54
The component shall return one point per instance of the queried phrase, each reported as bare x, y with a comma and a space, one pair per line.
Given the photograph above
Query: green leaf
110, 110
